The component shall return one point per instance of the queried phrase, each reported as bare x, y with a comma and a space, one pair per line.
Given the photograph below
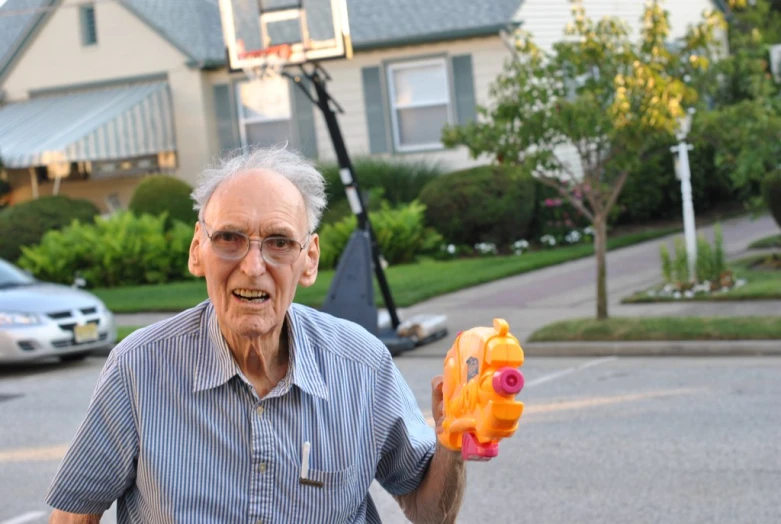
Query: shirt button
260, 410
262, 467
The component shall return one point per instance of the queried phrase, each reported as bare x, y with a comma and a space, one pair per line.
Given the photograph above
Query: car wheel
74, 357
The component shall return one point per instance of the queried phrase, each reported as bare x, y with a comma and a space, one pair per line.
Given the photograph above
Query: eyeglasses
275, 250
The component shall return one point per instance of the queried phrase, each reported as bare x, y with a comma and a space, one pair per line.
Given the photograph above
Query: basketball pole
317, 77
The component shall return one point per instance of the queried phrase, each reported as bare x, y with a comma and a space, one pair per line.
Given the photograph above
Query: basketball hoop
274, 59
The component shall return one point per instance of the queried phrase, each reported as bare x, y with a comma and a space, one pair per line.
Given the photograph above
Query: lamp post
684, 175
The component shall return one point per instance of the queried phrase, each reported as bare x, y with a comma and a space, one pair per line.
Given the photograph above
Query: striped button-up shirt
175, 432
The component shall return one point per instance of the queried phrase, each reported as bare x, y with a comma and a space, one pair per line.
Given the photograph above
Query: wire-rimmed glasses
275, 250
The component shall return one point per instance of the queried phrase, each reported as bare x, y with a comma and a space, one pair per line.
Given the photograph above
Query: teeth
250, 293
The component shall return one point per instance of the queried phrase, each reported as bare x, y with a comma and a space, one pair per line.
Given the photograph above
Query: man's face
259, 204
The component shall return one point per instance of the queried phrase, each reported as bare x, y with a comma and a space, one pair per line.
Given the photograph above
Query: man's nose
253, 262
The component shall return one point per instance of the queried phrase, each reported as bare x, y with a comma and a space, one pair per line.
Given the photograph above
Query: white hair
291, 165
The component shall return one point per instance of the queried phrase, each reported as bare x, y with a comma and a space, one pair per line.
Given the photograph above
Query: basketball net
274, 59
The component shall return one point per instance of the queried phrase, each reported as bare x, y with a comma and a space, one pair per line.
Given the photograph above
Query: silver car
40, 319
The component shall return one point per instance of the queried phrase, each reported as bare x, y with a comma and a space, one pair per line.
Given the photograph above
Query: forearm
63, 517
439, 496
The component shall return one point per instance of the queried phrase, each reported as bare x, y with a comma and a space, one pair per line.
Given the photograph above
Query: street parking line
567, 371
26, 517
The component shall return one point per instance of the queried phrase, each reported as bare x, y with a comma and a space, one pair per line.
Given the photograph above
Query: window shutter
464, 87
304, 120
226, 117
375, 110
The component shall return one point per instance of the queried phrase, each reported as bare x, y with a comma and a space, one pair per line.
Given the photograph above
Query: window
264, 111
89, 32
419, 95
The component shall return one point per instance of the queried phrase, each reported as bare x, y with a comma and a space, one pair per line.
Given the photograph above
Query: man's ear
312, 260
194, 262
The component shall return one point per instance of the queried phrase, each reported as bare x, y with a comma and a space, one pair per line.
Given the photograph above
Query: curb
670, 348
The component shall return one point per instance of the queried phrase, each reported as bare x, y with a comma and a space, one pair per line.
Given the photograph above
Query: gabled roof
376, 24
18, 21
193, 26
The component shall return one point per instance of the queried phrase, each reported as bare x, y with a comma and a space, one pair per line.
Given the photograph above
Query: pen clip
304, 476
305, 460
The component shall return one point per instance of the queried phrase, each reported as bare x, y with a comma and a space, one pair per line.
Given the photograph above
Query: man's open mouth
250, 295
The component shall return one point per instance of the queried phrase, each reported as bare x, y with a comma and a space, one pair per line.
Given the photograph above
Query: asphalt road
602, 440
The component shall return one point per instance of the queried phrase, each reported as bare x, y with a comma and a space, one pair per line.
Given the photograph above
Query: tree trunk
600, 249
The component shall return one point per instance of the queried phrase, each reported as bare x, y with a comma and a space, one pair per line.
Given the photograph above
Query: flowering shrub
555, 216
486, 248
548, 240
573, 237
519, 246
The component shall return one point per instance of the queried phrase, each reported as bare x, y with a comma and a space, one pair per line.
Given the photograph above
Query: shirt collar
305, 372
215, 364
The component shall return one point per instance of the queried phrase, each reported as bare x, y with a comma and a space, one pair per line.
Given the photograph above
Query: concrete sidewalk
535, 299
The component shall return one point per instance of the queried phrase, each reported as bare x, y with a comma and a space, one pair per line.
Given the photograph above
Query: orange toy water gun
479, 388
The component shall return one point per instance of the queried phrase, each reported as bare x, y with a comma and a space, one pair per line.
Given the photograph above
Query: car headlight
9, 318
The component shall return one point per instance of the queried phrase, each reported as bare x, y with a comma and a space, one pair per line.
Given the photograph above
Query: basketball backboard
259, 33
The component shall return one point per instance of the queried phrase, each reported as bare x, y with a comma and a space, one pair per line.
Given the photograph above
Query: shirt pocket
330, 496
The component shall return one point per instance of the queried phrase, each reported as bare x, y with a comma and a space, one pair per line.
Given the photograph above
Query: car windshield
12, 276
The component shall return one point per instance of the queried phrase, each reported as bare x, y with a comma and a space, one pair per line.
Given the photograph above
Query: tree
744, 127
745, 73
599, 94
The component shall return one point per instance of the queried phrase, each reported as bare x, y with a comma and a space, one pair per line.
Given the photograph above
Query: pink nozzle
508, 381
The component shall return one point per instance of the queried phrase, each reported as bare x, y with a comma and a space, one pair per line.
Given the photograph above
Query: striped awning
101, 124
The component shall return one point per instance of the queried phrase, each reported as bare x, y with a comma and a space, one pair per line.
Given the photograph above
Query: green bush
667, 265
554, 215
396, 181
483, 204
121, 250
5, 190
26, 223
653, 192
771, 192
400, 231
160, 194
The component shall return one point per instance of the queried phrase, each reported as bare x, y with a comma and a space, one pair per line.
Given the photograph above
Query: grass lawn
660, 328
761, 284
123, 331
410, 283
767, 242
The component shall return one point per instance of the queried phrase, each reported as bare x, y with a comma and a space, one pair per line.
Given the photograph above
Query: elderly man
249, 408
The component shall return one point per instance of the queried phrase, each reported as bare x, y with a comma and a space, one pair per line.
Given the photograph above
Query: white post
34, 182
684, 174
56, 188
689, 228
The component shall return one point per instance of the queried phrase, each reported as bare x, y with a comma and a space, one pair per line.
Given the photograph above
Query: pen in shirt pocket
304, 476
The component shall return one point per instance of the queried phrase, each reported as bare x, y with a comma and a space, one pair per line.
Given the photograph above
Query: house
95, 95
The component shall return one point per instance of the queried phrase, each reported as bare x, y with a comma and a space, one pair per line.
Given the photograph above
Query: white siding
546, 19
488, 55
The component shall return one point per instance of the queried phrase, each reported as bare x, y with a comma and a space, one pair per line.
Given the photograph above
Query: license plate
85, 333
